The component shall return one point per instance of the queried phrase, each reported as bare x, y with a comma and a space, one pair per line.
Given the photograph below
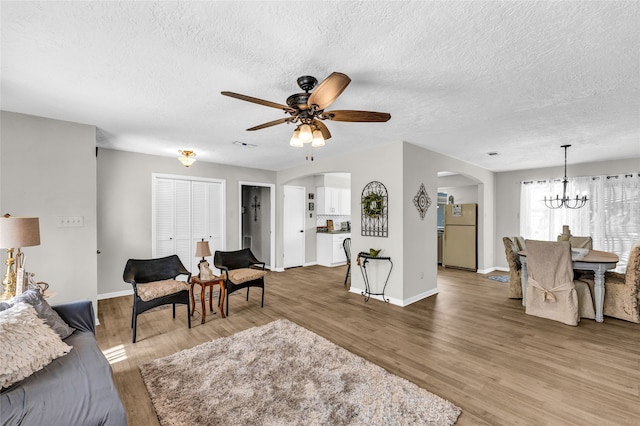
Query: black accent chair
346, 245
154, 273
240, 269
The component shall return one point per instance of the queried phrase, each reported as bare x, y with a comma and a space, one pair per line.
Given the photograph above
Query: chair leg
247, 294
347, 276
226, 302
135, 323
262, 305
174, 311
188, 314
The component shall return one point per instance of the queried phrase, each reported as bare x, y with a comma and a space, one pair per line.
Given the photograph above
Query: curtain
611, 216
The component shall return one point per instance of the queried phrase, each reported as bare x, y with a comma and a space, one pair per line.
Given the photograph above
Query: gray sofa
75, 389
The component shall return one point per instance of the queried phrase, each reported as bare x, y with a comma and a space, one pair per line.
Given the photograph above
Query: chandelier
565, 201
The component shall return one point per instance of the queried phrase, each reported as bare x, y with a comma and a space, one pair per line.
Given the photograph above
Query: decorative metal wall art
374, 206
255, 206
422, 201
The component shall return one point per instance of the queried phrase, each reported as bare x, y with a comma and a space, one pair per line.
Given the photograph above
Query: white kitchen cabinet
329, 250
336, 201
345, 202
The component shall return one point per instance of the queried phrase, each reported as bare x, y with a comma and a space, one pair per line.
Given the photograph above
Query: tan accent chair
622, 291
551, 291
515, 268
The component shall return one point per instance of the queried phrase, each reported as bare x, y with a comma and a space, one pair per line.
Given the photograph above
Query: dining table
593, 260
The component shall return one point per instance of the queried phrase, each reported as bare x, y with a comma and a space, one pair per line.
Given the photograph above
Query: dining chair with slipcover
581, 242
621, 291
551, 290
511, 249
154, 284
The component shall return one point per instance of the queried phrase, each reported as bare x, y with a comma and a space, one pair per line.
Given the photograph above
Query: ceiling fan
308, 109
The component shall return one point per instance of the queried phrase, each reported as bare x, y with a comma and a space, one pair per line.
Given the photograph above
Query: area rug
283, 374
499, 278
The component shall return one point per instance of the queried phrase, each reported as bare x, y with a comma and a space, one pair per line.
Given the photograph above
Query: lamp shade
202, 249
295, 141
305, 133
318, 140
16, 232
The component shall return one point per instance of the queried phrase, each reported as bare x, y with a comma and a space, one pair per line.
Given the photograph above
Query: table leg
193, 301
204, 309
599, 294
222, 295
211, 298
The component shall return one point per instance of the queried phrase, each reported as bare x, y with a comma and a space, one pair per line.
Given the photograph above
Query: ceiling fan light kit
308, 109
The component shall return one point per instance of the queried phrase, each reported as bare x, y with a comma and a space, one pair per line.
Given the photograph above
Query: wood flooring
469, 344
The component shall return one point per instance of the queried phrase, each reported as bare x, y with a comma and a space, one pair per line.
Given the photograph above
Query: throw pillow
34, 298
28, 344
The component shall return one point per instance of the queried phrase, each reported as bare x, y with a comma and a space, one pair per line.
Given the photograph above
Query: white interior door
294, 233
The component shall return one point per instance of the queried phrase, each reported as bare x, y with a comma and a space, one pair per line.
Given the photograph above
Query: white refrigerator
460, 248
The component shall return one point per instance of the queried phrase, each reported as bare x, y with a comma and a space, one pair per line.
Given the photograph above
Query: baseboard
421, 296
398, 302
491, 269
115, 294
310, 264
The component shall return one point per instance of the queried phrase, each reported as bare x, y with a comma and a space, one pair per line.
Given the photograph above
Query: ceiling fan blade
356, 116
329, 90
326, 134
258, 101
272, 123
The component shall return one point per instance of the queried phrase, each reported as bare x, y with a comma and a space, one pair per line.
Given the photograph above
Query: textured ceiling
459, 78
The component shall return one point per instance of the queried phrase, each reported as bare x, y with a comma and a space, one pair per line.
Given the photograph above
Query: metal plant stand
363, 268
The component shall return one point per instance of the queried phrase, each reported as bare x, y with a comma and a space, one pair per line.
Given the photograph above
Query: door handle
302, 230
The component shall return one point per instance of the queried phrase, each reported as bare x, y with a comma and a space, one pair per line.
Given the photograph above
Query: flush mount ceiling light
308, 110
565, 201
187, 157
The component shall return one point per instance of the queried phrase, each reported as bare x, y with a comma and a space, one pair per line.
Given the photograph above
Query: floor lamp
16, 232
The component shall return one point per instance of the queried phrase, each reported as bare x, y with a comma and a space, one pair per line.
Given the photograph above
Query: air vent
492, 153
244, 144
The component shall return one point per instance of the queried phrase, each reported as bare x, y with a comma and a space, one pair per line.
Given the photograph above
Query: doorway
294, 226
257, 220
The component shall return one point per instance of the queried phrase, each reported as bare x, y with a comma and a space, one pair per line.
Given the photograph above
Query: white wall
508, 193
461, 194
411, 243
124, 207
48, 169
